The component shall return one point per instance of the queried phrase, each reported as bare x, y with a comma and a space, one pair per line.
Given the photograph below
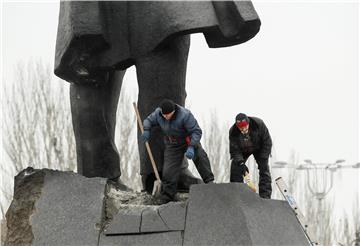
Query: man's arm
151, 120
193, 128
266, 141
235, 150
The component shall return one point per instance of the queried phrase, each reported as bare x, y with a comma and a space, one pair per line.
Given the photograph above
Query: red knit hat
242, 120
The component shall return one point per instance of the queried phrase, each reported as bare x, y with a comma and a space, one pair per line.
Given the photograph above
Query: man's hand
238, 161
242, 167
190, 152
145, 136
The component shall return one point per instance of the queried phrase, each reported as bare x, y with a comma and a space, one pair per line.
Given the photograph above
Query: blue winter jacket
181, 125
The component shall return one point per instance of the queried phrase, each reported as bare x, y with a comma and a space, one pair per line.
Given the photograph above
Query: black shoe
118, 184
162, 199
209, 182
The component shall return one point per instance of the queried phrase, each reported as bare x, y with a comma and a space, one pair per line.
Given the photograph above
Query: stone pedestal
64, 208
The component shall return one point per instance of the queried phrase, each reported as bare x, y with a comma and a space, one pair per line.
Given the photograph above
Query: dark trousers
265, 189
173, 158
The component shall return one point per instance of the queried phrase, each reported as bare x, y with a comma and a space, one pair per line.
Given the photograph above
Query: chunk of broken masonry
55, 208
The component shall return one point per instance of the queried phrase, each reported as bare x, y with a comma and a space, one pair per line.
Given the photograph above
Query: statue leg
161, 75
93, 110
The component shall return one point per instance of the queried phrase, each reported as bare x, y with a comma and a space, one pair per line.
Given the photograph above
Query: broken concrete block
214, 217
127, 221
274, 222
70, 206
174, 214
132, 219
231, 214
66, 208
27, 190
151, 221
3, 230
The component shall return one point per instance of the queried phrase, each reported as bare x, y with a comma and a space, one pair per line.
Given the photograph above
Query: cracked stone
151, 221
27, 190
59, 208
70, 206
174, 214
126, 221
231, 214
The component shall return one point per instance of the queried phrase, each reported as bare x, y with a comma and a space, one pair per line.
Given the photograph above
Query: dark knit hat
242, 120
167, 106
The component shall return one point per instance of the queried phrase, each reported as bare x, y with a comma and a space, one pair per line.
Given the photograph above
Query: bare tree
37, 127
348, 228
125, 138
216, 145
318, 211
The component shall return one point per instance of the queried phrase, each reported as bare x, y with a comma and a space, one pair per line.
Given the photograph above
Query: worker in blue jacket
182, 136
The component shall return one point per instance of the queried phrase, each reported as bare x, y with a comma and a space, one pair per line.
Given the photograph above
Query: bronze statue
98, 41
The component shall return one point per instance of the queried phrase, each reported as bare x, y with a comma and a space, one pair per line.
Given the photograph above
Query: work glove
243, 169
238, 161
145, 136
190, 152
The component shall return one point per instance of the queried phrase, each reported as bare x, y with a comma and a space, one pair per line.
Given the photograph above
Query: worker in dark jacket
250, 136
182, 135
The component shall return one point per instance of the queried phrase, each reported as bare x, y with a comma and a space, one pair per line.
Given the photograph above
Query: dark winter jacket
181, 125
259, 136
115, 33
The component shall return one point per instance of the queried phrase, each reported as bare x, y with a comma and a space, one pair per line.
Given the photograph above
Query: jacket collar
175, 114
